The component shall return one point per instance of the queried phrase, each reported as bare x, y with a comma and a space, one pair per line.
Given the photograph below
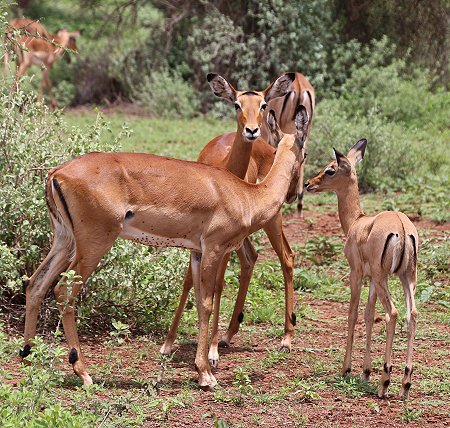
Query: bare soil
316, 357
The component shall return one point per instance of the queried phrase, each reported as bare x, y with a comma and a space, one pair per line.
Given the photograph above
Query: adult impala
37, 47
98, 197
376, 246
301, 93
247, 156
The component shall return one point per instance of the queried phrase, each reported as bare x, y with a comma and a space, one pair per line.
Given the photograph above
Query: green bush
165, 93
134, 284
395, 113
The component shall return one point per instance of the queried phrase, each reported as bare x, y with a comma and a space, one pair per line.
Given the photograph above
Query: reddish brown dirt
317, 354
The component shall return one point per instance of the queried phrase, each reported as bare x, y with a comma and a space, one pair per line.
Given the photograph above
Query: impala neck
239, 156
271, 192
348, 205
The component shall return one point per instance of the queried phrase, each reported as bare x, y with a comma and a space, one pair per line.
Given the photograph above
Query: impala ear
301, 123
356, 153
271, 121
341, 160
221, 87
279, 87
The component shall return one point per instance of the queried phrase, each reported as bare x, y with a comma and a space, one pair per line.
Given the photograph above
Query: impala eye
330, 171
237, 106
264, 106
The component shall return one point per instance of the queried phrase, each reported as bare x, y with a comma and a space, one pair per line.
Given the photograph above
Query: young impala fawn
376, 246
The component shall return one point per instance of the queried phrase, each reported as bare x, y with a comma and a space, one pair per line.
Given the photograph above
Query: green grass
178, 138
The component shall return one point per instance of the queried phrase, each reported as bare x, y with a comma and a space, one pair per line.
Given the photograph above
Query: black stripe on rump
385, 247
63, 199
413, 239
403, 250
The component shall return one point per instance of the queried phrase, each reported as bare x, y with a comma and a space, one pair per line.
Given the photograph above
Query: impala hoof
285, 349
166, 349
224, 344
214, 363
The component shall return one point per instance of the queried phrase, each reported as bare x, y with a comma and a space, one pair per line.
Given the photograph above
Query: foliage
30, 403
165, 93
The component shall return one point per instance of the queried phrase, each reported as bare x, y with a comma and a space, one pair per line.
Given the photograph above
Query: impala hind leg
85, 262
369, 320
45, 276
167, 347
409, 287
355, 289
247, 258
277, 238
391, 319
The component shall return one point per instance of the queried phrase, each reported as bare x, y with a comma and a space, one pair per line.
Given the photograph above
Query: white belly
146, 238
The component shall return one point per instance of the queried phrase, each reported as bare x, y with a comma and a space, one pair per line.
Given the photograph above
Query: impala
377, 246
40, 48
158, 201
246, 155
301, 93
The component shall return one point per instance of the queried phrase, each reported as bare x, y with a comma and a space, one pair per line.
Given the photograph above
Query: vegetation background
380, 70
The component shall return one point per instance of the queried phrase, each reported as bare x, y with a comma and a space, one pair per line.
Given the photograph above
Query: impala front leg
369, 319
355, 288
204, 268
213, 355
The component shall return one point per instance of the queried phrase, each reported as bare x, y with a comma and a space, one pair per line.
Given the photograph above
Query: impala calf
99, 197
377, 246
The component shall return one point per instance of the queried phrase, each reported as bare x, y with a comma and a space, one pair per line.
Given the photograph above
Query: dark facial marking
26, 351
407, 370
73, 356
25, 284
241, 317
367, 372
348, 371
386, 383
293, 318
407, 386
249, 93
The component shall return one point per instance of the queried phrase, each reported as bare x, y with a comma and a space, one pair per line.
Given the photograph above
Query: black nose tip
251, 131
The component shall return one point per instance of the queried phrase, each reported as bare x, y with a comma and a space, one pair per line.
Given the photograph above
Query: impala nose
252, 133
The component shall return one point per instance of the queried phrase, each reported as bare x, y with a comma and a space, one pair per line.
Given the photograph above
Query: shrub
165, 93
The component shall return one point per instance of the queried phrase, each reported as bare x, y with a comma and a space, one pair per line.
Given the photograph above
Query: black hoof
223, 344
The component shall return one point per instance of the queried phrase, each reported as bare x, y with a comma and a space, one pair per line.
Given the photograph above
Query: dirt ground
274, 400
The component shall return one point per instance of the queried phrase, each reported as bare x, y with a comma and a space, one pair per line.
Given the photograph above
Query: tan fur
98, 197
376, 246
252, 160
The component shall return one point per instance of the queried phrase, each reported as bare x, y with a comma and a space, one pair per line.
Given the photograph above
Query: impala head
69, 38
250, 105
277, 137
337, 174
